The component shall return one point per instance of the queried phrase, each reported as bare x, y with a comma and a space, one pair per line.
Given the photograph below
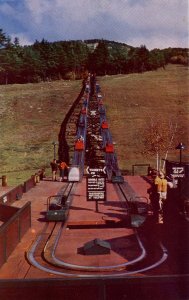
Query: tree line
45, 60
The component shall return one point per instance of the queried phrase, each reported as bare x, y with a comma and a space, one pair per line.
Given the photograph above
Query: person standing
79, 148
161, 185
54, 168
62, 167
152, 191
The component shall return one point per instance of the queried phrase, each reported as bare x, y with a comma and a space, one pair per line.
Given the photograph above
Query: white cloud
152, 14
23, 39
162, 21
160, 41
39, 8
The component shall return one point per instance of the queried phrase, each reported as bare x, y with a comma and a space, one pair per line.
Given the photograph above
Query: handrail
138, 165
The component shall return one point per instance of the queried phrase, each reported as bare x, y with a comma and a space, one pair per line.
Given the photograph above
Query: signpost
177, 172
96, 185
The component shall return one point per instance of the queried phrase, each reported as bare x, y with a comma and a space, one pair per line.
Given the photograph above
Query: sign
93, 112
96, 172
178, 172
96, 184
96, 188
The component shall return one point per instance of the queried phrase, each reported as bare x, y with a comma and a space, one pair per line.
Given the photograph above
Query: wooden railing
17, 192
16, 222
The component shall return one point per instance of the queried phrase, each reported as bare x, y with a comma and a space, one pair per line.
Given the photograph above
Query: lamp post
54, 145
180, 147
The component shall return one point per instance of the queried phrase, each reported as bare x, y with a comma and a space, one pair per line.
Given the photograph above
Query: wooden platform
82, 213
20, 280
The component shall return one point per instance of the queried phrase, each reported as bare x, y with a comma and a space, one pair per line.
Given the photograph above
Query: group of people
62, 167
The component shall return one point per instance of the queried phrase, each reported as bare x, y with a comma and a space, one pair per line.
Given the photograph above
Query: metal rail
33, 261
114, 269
82, 271
63, 264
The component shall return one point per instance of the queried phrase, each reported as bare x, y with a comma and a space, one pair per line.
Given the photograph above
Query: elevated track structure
107, 252
93, 147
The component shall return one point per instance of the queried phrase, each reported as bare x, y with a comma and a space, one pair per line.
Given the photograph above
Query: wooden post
96, 206
42, 174
4, 180
37, 178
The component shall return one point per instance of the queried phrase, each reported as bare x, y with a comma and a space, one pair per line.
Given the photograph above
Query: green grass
131, 100
31, 116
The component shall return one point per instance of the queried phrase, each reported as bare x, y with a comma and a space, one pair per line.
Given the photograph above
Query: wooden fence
16, 222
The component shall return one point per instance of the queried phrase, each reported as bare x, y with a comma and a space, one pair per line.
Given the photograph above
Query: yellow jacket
161, 184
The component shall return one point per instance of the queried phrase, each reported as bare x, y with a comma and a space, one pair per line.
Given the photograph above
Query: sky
153, 23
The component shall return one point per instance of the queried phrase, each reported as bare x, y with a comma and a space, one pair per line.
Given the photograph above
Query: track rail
83, 271
48, 261
89, 125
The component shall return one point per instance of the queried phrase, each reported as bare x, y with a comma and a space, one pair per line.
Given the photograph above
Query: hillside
133, 100
111, 45
44, 61
31, 116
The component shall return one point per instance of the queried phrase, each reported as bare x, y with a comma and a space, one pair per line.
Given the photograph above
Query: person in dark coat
54, 168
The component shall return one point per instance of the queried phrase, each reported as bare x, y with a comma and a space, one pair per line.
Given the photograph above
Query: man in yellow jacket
161, 185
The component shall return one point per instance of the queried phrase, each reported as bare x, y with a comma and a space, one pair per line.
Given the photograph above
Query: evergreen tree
101, 58
30, 70
70, 59
157, 59
3, 39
